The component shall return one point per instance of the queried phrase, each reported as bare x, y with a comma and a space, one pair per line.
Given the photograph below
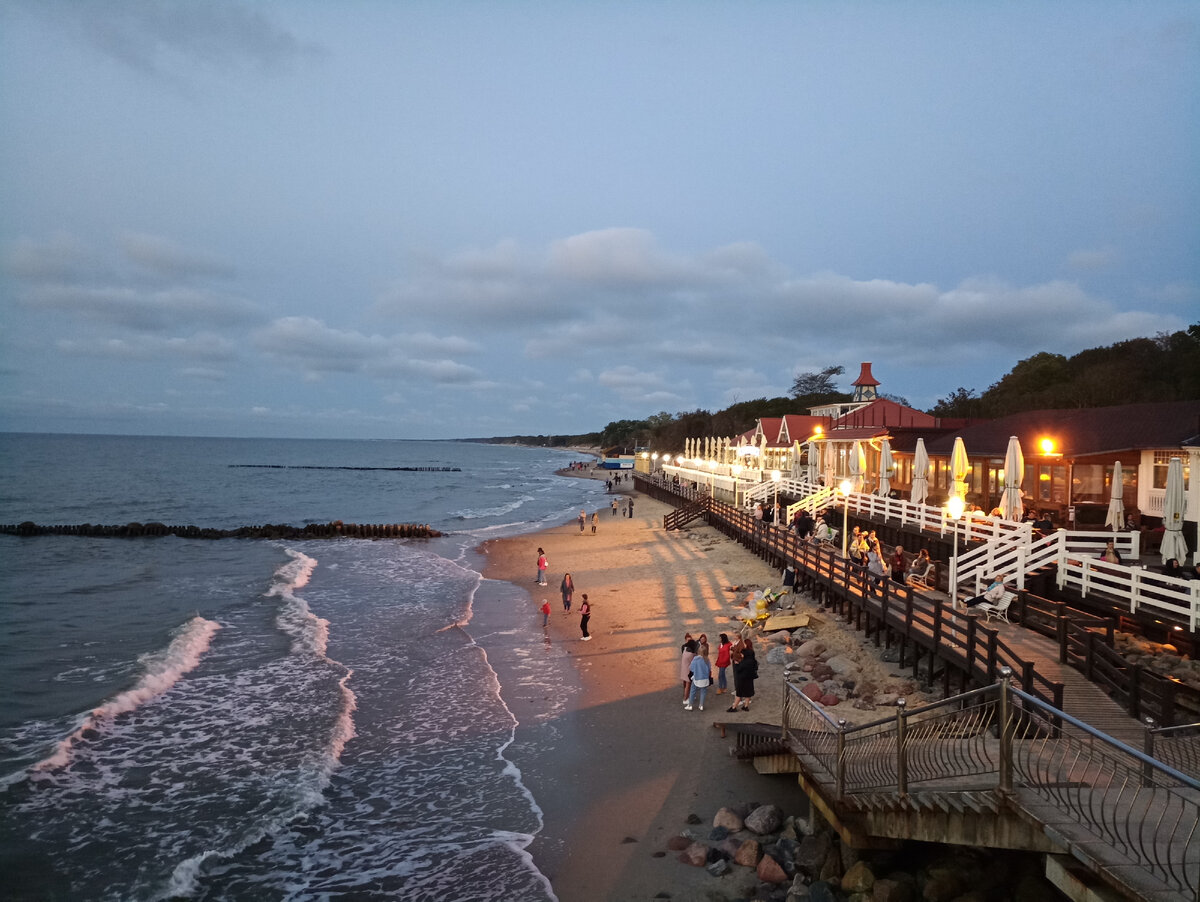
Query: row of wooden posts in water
335, 529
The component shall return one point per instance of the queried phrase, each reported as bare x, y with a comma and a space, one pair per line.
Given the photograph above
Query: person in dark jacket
745, 672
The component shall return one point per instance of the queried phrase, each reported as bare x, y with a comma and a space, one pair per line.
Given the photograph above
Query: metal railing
1124, 807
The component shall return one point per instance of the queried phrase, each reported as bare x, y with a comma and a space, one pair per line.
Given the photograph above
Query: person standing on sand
545, 612
543, 564
702, 642
582, 521
745, 672
690, 647
595, 521
568, 592
724, 647
585, 614
630, 508
701, 675
614, 507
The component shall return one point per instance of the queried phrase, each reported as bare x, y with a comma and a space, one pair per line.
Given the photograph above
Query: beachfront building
1070, 456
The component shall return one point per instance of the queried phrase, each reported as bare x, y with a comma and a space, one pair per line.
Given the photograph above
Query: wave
498, 511
310, 635
162, 670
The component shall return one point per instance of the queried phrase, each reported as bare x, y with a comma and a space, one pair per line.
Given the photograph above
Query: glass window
1088, 483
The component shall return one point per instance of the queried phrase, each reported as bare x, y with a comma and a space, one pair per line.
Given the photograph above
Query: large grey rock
764, 819
841, 664
811, 649
778, 654
718, 868
813, 851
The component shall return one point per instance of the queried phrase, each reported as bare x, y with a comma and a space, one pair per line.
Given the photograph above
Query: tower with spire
866, 385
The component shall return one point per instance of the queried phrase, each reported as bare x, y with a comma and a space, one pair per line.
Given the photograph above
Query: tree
821, 383
961, 403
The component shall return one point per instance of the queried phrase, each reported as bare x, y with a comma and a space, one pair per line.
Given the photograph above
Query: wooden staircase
682, 516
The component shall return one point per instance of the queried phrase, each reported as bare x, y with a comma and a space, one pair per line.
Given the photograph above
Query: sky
466, 219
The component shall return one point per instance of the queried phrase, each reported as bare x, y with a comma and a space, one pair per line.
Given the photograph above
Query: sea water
248, 719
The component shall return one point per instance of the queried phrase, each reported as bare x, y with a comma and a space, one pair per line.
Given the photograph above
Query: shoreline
616, 765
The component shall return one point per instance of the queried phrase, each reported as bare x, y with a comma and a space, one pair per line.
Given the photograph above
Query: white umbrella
959, 464
887, 467
1014, 471
827, 465
1173, 544
814, 466
920, 477
1116, 503
858, 465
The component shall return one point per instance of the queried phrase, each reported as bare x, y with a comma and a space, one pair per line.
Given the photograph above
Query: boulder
812, 691
822, 671
771, 871
841, 664
764, 819
830, 700
859, 879
718, 868
897, 889
811, 649
814, 849
696, 854
749, 853
678, 843
729, 819
778, 654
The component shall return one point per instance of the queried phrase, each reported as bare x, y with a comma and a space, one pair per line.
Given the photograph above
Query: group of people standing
567, 588
695, 670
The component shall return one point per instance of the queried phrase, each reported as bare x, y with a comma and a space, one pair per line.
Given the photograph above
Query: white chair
919, 579
999, 610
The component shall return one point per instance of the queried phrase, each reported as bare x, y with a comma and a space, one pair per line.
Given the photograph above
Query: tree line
1140, 370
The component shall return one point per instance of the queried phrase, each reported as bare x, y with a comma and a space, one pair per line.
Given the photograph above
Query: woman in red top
724, 648
898, 564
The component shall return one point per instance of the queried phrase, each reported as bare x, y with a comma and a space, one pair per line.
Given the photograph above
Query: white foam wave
310, 635
498, 511
162, 670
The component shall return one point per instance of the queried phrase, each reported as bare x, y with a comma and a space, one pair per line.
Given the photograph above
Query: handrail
1125, 812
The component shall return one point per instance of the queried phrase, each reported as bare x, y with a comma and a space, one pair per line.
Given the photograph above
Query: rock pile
756, 852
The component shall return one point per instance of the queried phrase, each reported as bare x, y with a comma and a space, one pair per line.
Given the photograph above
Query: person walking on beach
543, 564
585, 614
745, 672
701, 675
614, 507
595, 521
630, 508
724, 647
582, 521
688, 653
545, 612
568, 592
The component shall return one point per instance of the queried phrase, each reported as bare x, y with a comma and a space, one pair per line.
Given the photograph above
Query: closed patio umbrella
1173, 544
1116, 503
1014, 471
827, 465
959, 464
814, 462
920, 477
858, 465
887, 467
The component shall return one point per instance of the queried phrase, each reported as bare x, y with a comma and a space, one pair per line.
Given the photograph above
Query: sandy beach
630, 764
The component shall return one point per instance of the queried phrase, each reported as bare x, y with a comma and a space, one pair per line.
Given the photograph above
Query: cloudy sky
450, 219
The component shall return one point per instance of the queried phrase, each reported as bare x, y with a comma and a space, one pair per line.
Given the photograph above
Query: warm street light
845, 487
955, 507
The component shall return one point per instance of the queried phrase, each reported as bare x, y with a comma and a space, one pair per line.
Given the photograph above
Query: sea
247, 719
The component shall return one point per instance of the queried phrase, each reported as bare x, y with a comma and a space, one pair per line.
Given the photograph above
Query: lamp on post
845, 487
954, 509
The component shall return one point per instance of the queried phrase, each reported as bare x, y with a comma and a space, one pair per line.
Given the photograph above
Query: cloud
308, 344
164, 257
142, 310
161, 36
147, 347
